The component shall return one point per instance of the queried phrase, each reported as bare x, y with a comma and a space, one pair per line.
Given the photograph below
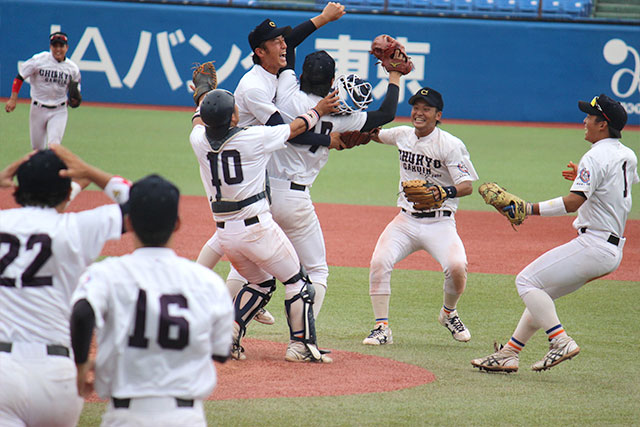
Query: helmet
354, 94
216, 111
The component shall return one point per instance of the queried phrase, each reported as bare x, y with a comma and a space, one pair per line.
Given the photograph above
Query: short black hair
613, 133
321, 89
39, 181
40, 199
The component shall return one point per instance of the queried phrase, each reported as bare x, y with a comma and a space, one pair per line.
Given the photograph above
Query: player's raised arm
308, 120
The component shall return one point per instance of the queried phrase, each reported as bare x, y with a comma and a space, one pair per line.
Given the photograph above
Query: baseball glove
423, 196
512, 207
354, 138
204, 80
391, 54
73, 96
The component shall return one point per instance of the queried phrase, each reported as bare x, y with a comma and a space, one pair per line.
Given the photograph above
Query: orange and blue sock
515, 345
448, 310
555, 332
382, 321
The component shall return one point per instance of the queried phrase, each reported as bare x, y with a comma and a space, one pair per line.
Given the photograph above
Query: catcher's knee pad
250, 300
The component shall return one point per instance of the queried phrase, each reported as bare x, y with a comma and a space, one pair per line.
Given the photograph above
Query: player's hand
77, 169
10, 106
85, 378
336, 142
328, 104
333, 11
7, 174
572, 173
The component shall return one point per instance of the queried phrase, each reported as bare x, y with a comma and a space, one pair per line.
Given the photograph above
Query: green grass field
599, 387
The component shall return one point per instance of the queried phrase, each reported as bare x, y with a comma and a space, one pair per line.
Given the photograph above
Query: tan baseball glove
204, 79
391, 54
509, 205
424, 196
354, 138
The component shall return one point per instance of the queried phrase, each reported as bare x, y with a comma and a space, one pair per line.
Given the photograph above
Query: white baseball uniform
438, 158
255, 96
42, 255
605, 175
160, 318
49, 80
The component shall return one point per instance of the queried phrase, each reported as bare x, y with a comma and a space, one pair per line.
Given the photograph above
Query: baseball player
256, 92
429, 153
232, 167
43, 253
51, 75
292, 171
601, 194
161, 319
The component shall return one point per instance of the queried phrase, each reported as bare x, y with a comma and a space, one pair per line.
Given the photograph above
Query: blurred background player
429, 153
256, 92
232, 167
601, 194
50, 75
44, 253
161, 319
293, 170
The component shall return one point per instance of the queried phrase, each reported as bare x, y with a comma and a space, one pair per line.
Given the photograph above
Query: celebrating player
429, 153
44, 253
160, 319
51, 75
601, 194
232, 167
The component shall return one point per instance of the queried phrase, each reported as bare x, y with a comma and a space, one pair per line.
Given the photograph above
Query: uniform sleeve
389, 136
222, 327
459, 165
275, 137
259, 105
28, 67
287, 88
348, 122
96, 226
95, 290
588, 176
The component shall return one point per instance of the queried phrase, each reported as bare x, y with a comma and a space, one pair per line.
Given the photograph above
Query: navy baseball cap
153, 205
58, 37
319, 67
603, 106
267, 30
430, 96
40, 175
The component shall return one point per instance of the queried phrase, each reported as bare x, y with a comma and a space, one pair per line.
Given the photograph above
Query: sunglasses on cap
594, 103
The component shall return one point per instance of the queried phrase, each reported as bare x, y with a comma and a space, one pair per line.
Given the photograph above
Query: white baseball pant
46, 125
37, 389
154, 411
405, 235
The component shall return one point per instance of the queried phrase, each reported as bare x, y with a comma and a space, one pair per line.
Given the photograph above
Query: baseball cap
58, 37
153, 205
267, 30
603, 106
39, 174
319, 67
430, 96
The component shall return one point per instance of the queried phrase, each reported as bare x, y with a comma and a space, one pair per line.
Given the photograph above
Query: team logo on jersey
463, 168
585, 176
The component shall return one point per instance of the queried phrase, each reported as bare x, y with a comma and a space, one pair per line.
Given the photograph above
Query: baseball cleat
505, 359
379, 336
298, 352
453, 323
237, 352
263, 316
560, 349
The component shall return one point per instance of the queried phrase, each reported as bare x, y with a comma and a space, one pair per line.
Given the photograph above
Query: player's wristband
196, 114
310, 118
117, 189
529, 208
553, 207
451, 191
17, 84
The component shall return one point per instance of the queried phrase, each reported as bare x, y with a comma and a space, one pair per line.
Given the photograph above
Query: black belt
247, 222
298, 187
427, 214
125, 403
48, 106
614, 240
52, 349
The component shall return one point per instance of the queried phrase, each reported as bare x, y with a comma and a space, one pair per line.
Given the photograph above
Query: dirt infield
350, 234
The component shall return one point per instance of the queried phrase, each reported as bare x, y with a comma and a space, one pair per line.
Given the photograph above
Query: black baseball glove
73, 95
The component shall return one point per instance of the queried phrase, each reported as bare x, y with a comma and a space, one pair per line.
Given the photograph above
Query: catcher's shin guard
301, 304
249, 301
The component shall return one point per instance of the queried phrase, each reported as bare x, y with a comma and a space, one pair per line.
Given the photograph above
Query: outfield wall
486, 69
